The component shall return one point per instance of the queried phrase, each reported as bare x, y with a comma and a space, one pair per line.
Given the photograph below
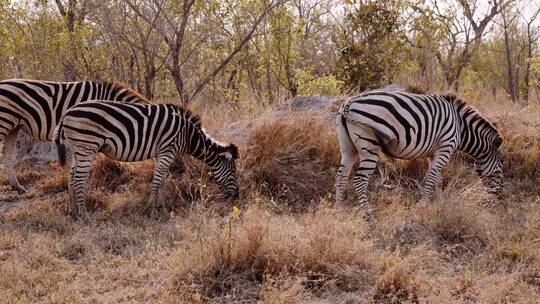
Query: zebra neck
473, 133
203, 147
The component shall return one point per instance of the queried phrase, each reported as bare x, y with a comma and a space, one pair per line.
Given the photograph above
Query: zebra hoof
338, 205
84, 217
19, 188
423, 203
368, 216
152, 213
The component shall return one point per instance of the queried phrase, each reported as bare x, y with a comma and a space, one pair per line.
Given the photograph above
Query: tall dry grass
286, 163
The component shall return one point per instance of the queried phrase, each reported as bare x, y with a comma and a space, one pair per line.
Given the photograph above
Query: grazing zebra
411, 126
135, 132
36, 107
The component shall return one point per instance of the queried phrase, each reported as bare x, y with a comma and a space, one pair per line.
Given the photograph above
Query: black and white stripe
411, 126
36, 107
135, 132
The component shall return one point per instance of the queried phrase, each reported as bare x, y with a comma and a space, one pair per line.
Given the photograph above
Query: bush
292, 159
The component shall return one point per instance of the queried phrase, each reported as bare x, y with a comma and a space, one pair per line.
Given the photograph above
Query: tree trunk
176, 75
516, 83
132, 81
253, 83
176, 47
509, 70
72, 15
269, 82
70, 72
149, 80
528, 66
508, 52
531, 42
456, 85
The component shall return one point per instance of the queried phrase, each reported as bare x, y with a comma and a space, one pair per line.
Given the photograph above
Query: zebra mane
195, 119
466, 107
120, 86
187, 114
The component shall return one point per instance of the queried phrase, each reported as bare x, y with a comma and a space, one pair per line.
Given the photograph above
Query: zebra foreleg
438, 188
437, 191
163, 162
433, 178
9, 155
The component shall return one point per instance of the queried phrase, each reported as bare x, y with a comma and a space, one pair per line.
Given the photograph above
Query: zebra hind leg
10, 142
348, 158
79, 181
72, 206
369, 158
163, 162
342, 177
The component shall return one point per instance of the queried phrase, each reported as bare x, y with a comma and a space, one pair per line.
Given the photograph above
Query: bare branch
61, 7
239, 46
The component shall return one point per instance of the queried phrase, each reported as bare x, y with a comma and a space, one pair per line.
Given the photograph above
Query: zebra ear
494, 121
498, 142
227, 155
233, 149
231, 152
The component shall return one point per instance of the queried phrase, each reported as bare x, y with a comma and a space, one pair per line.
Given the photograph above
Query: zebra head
224, 171
480, 139
489, 163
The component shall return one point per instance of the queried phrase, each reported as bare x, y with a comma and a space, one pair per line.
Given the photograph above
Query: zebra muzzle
232, 197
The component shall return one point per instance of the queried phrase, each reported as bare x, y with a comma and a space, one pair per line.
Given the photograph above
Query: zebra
136, 132
36, 108
412, 126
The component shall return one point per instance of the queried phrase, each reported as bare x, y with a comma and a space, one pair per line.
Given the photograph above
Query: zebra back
38, 106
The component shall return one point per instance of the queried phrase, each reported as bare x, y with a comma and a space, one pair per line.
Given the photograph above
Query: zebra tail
347, 116
342, 116
60, 146
343, 121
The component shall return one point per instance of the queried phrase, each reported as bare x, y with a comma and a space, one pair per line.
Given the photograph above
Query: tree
508, 17
371, 48
531, 42
74, 12
465, 31
137, 42
171, 19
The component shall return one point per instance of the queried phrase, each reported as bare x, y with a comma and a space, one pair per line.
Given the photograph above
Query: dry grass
291, 165
285, 244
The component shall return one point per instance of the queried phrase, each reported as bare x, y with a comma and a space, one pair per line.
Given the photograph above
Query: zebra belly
108, 150
389, 143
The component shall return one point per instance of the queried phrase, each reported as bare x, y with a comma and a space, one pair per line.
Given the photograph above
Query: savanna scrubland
282, 242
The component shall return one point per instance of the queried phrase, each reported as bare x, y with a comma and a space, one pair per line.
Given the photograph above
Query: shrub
293, 159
